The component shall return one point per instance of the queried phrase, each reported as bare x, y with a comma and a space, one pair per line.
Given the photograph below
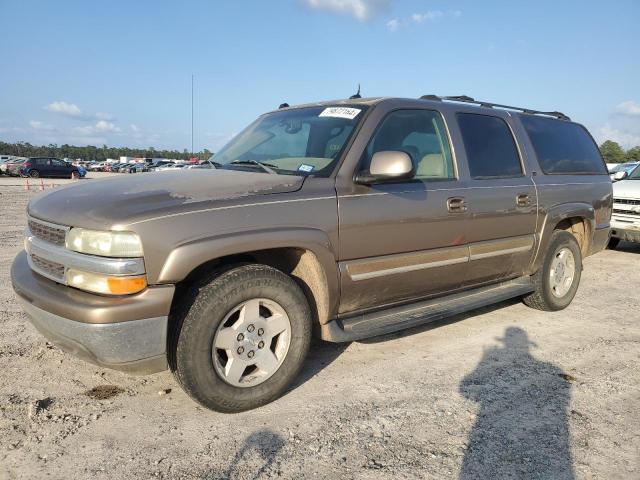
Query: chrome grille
625, 212
626, 201
52, 269
46, 232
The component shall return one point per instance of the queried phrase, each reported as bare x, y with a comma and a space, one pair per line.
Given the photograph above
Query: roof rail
467, 99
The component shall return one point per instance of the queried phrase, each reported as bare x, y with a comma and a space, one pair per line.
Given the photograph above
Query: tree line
612, 152
90, 152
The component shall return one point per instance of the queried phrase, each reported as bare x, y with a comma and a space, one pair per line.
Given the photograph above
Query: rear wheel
557, 280
243, 339
34, 174
613, 243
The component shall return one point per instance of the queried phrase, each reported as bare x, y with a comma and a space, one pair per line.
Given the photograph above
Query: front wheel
557, 280
242, 340
34, 174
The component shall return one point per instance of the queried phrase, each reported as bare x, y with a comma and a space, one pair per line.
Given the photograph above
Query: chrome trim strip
81, 261
409, 268
497, 253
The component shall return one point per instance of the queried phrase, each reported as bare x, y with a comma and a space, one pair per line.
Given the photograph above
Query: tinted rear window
491, 149
563, 147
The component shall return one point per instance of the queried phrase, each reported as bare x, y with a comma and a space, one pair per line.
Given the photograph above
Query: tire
34, 174
547, 296
613, 243
195, 358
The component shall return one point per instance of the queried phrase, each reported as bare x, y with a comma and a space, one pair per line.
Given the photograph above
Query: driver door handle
523, 200
456, 205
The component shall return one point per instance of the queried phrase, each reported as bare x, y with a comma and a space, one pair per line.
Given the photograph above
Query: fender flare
553, 217
187, 257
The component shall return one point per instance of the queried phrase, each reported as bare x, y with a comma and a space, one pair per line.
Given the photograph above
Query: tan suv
347, 219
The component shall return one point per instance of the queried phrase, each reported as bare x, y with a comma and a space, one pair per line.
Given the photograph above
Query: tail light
28, 165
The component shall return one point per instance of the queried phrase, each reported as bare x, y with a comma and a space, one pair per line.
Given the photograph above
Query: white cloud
626, 138
101, 126
362, 10
64, 108
393, 24
38, 125
418, 18
629, 107
427, 16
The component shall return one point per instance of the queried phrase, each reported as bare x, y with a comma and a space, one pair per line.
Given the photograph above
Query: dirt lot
503, 392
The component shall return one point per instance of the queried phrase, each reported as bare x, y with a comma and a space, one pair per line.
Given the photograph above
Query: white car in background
627, 167
625, 221
168, 167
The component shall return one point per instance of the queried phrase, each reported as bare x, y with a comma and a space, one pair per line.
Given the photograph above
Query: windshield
635, 174
303, 141
624, 167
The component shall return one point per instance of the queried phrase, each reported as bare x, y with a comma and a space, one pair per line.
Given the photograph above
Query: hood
101, 204
627, 189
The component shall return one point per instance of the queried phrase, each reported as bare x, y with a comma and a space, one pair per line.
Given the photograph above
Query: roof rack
467, 99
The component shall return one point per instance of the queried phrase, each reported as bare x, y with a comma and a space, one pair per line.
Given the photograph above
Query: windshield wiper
264, 166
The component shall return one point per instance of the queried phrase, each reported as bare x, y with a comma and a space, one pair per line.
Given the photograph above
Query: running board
393, 319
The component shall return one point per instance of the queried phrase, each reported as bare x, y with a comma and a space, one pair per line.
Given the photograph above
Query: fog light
108, 285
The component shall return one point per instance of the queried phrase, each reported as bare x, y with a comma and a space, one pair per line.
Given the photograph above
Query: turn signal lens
93, 282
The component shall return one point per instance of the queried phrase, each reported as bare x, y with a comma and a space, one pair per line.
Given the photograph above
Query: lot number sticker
340, 112
305, 168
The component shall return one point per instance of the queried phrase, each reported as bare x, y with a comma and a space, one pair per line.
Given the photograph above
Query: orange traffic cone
26, 185
51, 184
41, 185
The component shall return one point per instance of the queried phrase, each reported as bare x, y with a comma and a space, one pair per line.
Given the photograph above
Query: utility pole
192, 115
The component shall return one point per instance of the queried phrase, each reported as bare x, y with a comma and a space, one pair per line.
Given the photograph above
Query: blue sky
119, 72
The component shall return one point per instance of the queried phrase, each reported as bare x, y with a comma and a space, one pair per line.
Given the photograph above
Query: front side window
422, 135
491, 149
563, 147
303, 141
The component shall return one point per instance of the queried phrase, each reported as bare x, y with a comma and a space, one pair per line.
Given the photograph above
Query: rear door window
490, 147
563, 147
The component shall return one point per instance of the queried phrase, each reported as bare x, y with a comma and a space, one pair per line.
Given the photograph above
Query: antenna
191, 116
357, 95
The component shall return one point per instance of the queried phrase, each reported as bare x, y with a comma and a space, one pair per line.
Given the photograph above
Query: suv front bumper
124, 333
626, 230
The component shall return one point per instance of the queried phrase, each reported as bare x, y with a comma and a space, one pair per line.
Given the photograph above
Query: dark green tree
612, 152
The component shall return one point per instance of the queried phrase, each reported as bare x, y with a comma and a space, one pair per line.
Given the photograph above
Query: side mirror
620, 175
387, 166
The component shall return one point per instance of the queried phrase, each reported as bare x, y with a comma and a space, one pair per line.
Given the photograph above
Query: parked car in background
345, 219
625, 222
36, 167
627, 168
203, 165
170, 166
12, 167
82, 171
162, 163
4, 160
96, 167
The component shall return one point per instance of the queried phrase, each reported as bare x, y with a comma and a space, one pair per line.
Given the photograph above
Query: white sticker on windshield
305, 168
340, 112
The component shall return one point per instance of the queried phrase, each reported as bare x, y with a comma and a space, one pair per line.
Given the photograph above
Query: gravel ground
502, 392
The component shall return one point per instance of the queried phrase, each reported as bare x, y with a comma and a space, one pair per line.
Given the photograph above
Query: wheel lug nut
251, 328
240, 350
240, 337
260, 331
250, 354
261, 344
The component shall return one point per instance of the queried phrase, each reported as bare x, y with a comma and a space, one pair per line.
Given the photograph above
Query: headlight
104, 244
108, 285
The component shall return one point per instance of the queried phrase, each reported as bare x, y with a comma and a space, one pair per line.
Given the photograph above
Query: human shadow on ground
522, 428
263, 445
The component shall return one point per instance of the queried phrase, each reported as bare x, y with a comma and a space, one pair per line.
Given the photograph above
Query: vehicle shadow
321, 355
522, 428
265, 443
628, 247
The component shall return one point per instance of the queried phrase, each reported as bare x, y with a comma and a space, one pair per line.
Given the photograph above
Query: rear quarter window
563, 147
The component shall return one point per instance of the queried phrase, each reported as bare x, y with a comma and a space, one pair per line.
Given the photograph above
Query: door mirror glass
388, 166
620, 175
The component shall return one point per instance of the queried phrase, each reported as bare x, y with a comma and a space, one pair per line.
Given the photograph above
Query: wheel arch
304, 254
575, 218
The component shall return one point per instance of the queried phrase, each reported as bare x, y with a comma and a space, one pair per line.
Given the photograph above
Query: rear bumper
625, 230
123, 333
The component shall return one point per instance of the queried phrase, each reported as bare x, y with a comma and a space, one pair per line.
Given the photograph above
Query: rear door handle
523, 200
456, 205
